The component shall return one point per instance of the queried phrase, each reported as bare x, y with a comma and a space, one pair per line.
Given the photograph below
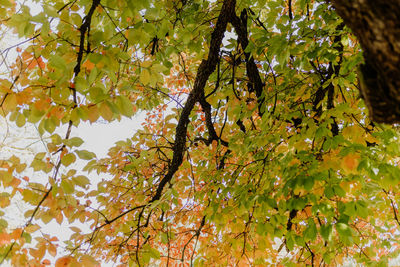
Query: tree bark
376, 24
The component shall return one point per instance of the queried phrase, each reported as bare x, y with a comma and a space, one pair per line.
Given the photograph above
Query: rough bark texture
377, 26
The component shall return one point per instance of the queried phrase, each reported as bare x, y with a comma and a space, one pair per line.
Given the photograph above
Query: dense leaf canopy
256, 148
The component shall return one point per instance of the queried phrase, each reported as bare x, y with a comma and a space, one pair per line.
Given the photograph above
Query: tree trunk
376, 24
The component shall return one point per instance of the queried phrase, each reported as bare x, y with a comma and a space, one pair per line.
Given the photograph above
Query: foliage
256, 149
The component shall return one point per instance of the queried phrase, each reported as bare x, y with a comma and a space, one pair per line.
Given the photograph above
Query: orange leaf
350, 162
88, 65
52, 250
16, 233
40, 62
32, 64
66, 262
46, 262
4, 238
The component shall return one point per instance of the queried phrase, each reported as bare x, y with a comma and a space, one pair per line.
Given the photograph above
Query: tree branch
240, 25
204, 71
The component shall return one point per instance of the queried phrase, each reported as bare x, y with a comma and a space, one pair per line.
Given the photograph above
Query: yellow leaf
371, 139
93, 113
68, 159
52, 250
145, 77
354, 133
294, 161
88, 261
282, 148
106, 112
75, 229
146, 64
32, 228
59, 218
10, 102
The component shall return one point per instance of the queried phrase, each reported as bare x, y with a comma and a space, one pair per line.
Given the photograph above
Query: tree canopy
257, 147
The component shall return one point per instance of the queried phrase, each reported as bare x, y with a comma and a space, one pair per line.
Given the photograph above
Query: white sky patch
99, 137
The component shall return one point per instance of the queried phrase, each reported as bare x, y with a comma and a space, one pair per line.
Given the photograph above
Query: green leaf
125, 106
289, 242
58, 62
361, 209
311, 232
85, 155
74, 141
339, 191
326, 232
81, 181
97, 94
49, 125
67, 186
343, 229
21, 119
27, 237
92, 75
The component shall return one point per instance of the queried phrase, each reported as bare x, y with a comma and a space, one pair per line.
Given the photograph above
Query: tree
257, 148
377, 28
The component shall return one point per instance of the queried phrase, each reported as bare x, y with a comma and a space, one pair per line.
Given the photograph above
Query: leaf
145, 77
311, 231
326, 232
49, 125
84, 154
67, 186
289, 242
75, 229
124, 105
106, 112
361, 209
92, 113
10, 102
74, 141
89, 261
339, 191
68, 159
66, 261
350, 162
81, 181
343, 229
248, 135
97, 94
52, 250
21, 120
6, 177
32, 228
57, 62
46, 262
